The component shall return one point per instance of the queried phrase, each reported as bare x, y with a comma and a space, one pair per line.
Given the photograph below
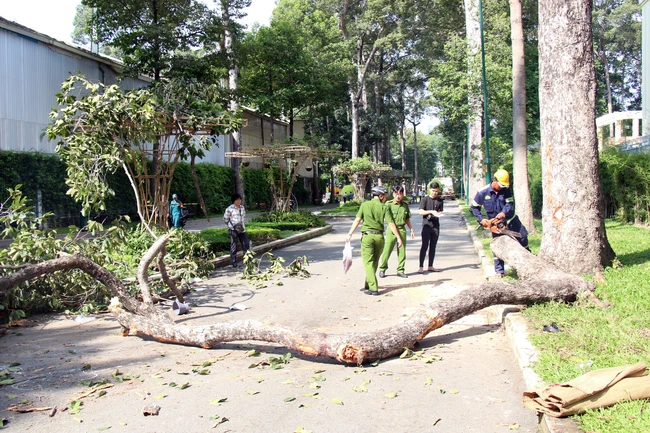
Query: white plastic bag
347, 257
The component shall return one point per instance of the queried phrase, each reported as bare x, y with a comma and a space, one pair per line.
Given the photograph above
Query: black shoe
402, 275
382, 274
371, 292
235, 265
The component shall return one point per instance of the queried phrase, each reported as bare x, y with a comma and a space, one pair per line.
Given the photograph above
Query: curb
260, 249
516, 329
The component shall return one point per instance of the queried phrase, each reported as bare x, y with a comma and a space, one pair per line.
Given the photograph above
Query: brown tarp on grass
598, 388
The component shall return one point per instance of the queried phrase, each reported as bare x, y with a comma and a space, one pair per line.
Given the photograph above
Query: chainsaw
496, 225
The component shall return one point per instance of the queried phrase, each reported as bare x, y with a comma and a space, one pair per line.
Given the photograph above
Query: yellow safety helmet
502, 177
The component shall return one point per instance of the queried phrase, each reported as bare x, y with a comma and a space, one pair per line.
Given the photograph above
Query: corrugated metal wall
31, 74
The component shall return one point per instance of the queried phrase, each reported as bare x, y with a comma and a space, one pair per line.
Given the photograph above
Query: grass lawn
595, 338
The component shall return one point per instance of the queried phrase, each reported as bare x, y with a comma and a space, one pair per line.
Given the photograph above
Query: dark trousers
243, 240
516, 226
429, 242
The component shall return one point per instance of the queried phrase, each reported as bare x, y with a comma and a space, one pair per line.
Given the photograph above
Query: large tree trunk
142, 318
416, 173
574, 231
402, 140
236, 141
519, 140
475, 142
198, 188
354, 104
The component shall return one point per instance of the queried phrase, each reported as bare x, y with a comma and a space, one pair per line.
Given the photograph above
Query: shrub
351, 207
282, 225
298, 216
217, 184
219, 240
256, 187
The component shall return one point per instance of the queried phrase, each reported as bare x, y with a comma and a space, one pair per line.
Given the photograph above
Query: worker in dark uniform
498, 202
401, 217
373, 213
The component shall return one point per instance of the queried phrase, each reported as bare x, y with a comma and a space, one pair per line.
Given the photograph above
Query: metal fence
636, 145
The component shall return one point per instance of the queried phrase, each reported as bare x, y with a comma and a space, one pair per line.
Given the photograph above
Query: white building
32, 68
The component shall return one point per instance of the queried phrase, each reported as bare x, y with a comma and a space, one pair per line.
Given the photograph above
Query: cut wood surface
540, 282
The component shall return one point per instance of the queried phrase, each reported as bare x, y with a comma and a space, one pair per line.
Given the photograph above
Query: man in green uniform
373, 213
401, 216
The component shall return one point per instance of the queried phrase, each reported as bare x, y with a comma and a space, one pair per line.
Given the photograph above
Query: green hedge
257, 188
219, 239
282, 225
625, 183
46, 172
217, 184
298, 216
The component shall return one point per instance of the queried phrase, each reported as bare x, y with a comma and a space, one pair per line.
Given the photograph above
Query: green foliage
47, 172
299, 216
607, 337
625, 183
349, 208
217, 183
37, 171
257, 187
616, 28
257, 273
281, 225
152, 35
219, 239
116, 249
108, 129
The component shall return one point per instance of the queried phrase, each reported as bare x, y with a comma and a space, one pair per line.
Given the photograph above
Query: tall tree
519, 141
617, 47
475, 99
574, 230
150, 33
231, 11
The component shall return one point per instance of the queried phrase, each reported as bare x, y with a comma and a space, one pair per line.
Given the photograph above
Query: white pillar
645, 65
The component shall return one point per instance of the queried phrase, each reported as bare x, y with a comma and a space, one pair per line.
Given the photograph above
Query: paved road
466, 379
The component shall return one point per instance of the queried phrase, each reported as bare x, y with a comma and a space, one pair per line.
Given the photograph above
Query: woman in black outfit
430, 209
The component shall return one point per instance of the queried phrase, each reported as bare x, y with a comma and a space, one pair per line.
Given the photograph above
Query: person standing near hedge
175, 211
430, 209
373, 213
402, 217
234, 219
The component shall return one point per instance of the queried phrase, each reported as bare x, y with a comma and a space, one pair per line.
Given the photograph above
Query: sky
54, 18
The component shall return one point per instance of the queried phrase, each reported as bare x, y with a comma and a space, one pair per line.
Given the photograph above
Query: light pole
488, 168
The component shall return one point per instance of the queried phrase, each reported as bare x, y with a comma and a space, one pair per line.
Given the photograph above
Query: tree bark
142, 318
233, 72
198, 188
416, 174
574, 231
475, 142
519, 139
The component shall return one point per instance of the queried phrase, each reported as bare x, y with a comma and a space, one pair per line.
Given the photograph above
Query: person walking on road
373, 213
498, 202
401, 217
175, 211
234, 219
431, 208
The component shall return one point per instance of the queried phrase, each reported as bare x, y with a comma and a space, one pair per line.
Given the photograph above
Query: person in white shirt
234, 219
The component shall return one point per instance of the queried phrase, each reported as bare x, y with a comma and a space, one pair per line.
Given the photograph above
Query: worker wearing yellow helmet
498, 202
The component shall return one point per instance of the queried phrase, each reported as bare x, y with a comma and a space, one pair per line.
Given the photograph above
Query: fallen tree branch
143, 268
165, 276
541, 282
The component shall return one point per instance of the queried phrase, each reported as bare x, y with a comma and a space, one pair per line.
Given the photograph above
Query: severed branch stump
541, 282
